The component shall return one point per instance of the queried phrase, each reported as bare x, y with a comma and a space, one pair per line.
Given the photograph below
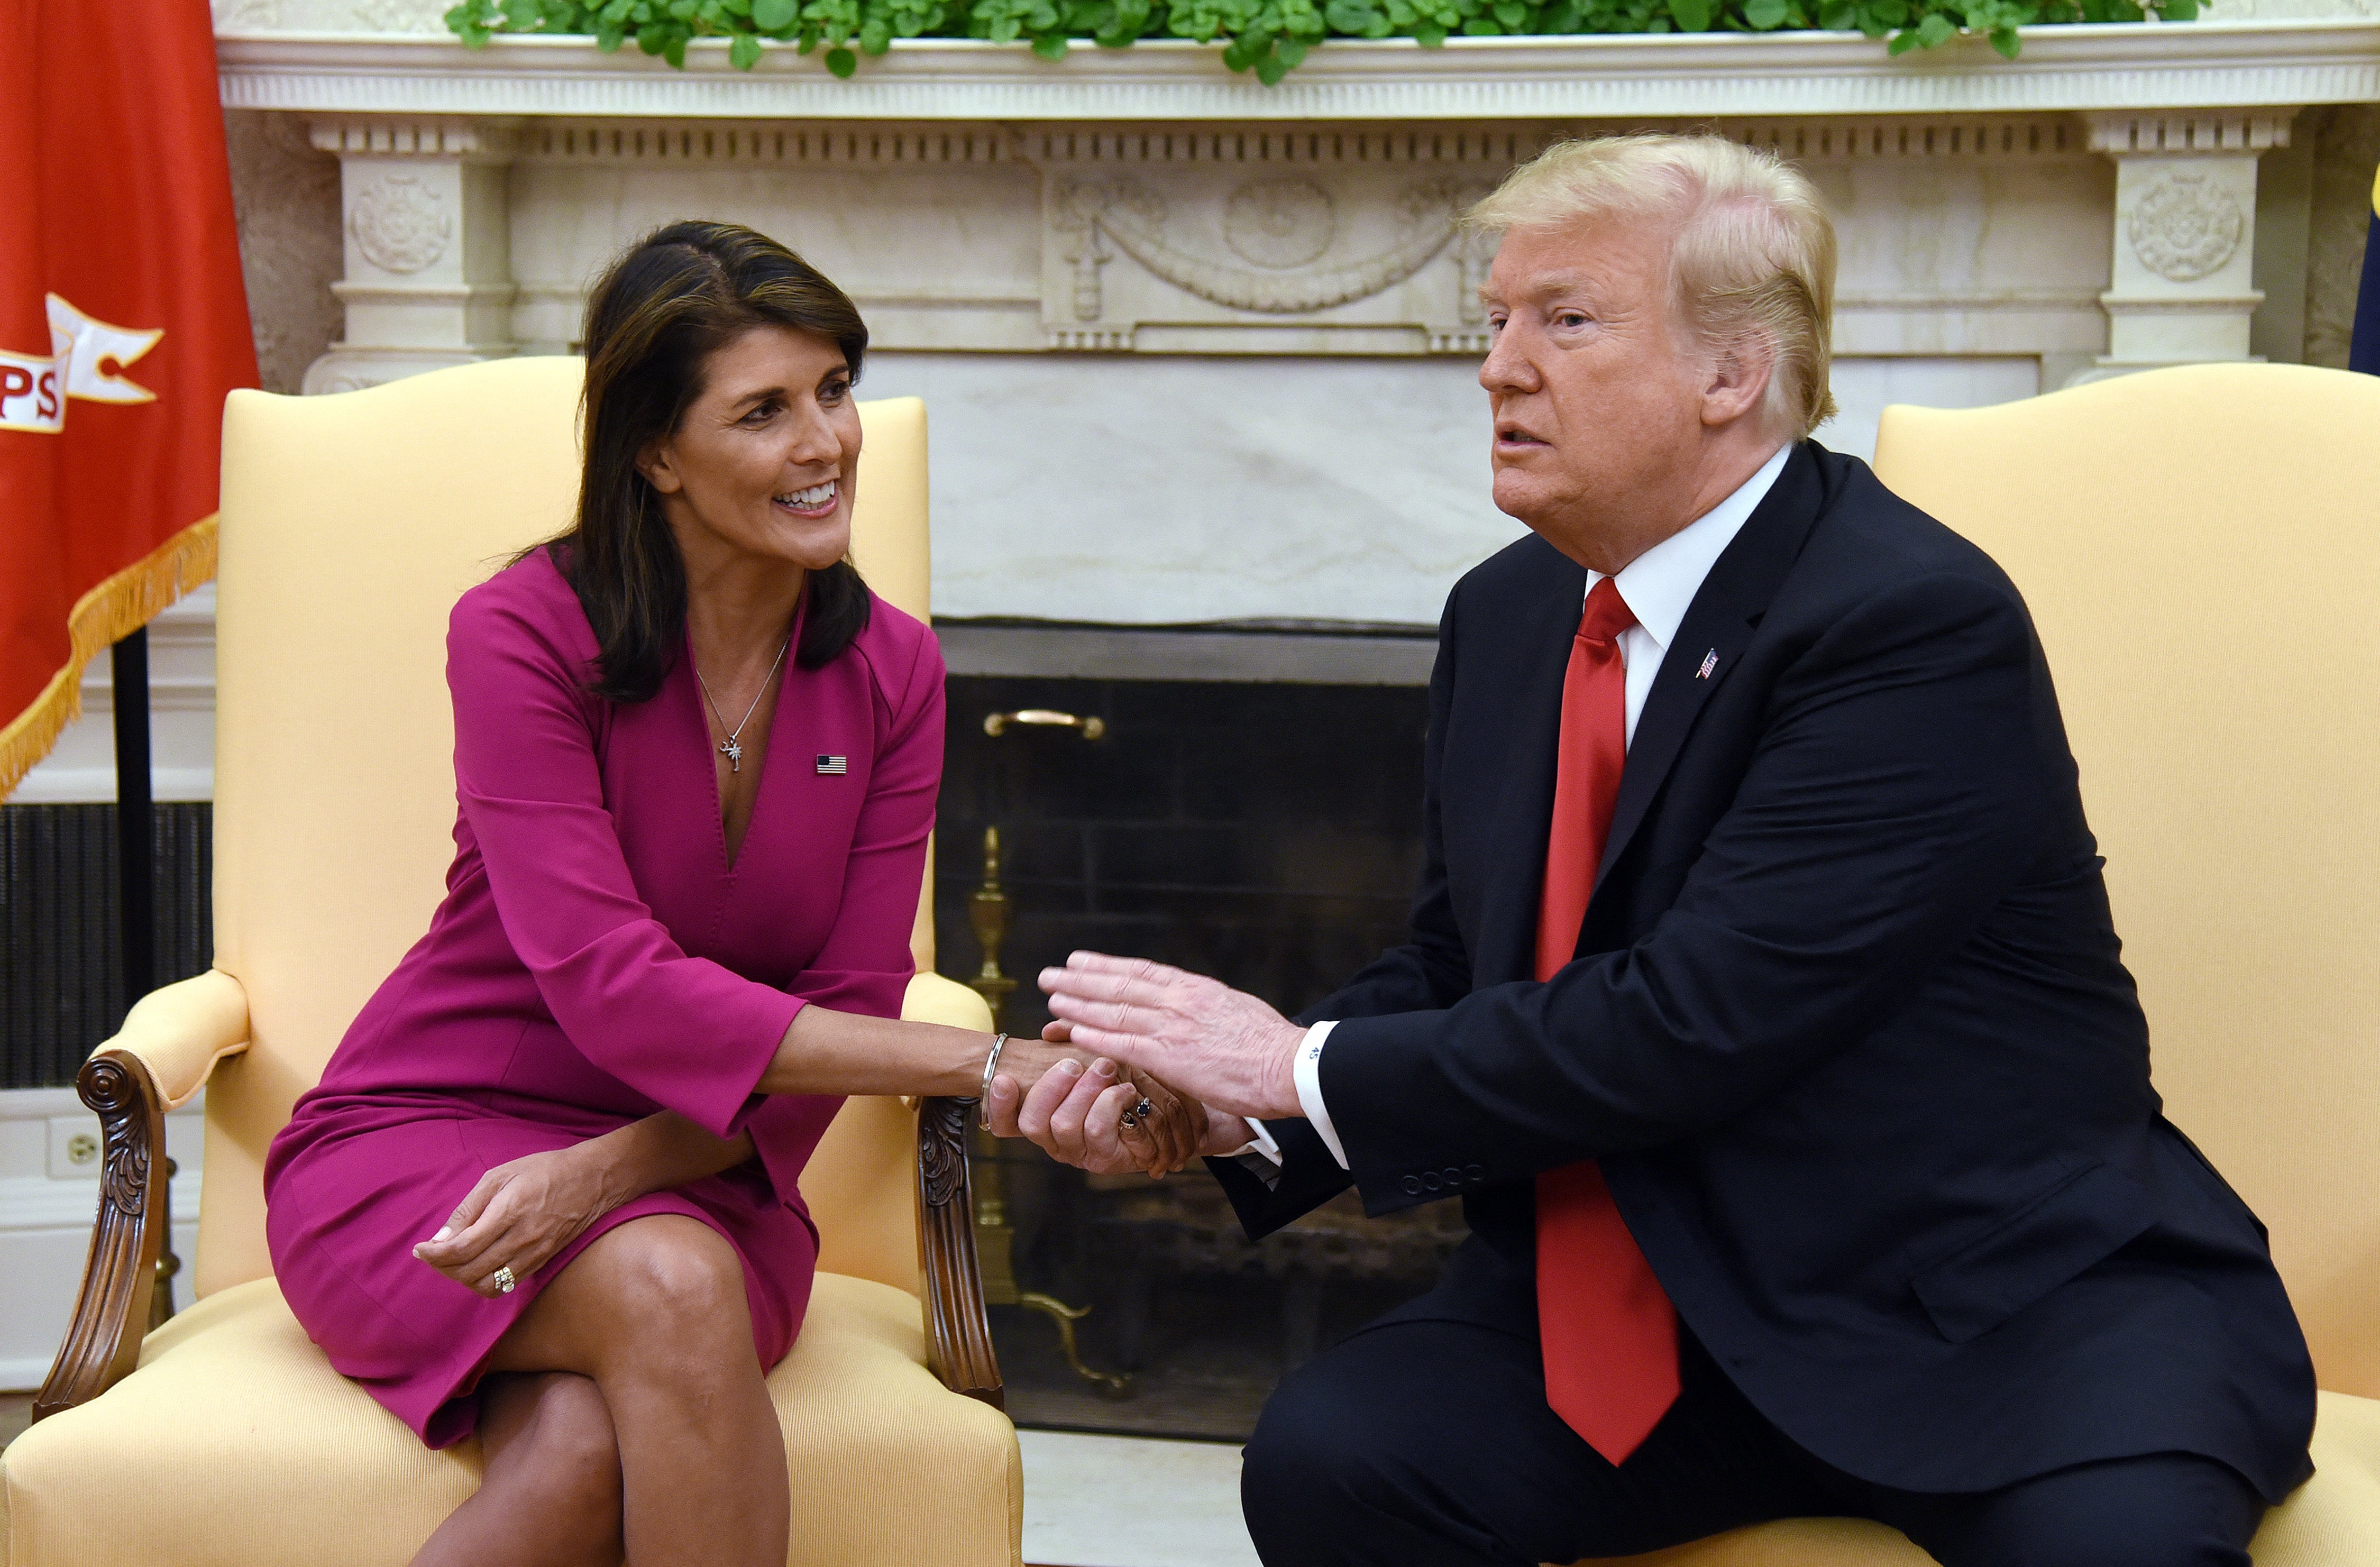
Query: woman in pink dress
548, 1186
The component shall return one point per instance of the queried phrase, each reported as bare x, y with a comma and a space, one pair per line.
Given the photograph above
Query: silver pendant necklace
731, 747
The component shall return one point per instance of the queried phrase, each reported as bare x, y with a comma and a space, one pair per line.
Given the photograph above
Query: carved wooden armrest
169, 1044
958, 1328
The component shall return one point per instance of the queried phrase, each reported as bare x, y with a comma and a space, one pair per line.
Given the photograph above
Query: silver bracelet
990, 1065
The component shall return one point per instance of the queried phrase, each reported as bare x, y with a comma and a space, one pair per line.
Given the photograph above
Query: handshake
1143, 1067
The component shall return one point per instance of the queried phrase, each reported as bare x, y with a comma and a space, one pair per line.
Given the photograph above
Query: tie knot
1607, 615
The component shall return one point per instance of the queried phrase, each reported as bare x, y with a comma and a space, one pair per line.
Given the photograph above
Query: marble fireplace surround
1199, 350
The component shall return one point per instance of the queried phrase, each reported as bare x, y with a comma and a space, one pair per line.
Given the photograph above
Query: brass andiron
995, 1243
161, 1297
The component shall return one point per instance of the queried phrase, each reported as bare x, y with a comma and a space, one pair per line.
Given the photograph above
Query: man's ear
1738, 379
659, 464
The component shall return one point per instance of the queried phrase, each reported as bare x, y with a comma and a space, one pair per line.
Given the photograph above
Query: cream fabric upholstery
2199, 551
350, 524
237, 1445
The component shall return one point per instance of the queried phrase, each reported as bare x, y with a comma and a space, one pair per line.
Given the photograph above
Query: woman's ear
658, 462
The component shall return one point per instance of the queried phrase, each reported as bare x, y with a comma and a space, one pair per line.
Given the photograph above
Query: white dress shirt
1657, 586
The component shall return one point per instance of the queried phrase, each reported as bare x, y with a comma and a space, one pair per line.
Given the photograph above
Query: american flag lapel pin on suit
834, 766
1710, 662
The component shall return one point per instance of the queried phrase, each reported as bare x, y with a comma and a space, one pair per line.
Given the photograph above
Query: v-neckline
732, 855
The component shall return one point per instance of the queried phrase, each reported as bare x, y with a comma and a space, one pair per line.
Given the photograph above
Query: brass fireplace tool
995, 1243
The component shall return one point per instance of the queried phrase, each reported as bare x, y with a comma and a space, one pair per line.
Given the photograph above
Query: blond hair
1753, 256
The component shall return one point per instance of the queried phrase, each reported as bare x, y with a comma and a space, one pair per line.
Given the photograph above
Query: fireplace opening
1249, 809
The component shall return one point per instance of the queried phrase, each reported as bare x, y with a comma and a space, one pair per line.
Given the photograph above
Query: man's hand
1199, 1035
1075, 1115
1077, 1108
519, 1215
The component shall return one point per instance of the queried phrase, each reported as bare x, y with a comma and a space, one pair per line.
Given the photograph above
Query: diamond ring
503, 1279
1138, 1115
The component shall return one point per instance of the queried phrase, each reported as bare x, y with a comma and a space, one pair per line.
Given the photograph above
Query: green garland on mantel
1270, 37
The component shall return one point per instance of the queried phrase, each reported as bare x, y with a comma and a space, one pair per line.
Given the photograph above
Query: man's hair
1753, 260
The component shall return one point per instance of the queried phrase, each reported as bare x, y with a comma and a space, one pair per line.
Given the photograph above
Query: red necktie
1609, 1332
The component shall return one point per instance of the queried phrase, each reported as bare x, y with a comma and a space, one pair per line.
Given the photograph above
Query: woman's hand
521, 1213
1076, 1113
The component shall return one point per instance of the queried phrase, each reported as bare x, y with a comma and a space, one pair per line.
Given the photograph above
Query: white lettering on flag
33, 392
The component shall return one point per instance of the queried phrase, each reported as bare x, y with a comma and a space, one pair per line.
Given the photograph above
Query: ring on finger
1137, 1114
504, 1280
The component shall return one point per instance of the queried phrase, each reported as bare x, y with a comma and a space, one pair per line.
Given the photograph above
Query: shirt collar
1659, 584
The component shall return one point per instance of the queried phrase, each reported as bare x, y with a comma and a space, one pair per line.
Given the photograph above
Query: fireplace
1250, 808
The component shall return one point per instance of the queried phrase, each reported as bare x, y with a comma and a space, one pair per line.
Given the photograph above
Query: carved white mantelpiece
2180, 289
428, 242
2198, 64
1195, 346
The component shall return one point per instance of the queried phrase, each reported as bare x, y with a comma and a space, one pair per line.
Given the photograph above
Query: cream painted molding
2138, 66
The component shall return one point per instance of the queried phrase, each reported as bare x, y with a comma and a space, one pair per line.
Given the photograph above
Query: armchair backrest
350, 524
2200, 550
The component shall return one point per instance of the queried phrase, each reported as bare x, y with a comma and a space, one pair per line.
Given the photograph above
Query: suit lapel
1717, 626
1541, 630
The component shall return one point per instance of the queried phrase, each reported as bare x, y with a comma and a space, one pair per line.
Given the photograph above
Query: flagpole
136, 840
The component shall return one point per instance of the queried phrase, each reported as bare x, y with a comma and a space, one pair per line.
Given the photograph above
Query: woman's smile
811, 504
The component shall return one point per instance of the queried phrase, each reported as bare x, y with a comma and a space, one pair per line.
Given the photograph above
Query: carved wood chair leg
103, 1342
958, 1328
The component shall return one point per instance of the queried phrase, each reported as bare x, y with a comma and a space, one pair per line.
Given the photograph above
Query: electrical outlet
74, 1147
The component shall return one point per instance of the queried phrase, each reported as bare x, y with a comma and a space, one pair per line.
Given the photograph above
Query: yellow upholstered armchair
2200, 550
350, 525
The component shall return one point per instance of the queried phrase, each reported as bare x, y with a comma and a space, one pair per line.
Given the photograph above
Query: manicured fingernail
444, 1232
1071, 1067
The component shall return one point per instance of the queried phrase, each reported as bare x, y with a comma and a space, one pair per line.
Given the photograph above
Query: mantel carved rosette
1265, 242
2181, 286
423, 214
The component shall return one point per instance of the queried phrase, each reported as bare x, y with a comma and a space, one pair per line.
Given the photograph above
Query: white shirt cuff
1308, 1072
1259, 1141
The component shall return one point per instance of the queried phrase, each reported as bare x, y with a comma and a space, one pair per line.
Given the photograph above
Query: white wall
49, 1194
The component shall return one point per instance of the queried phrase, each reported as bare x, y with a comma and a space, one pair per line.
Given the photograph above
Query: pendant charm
733, 753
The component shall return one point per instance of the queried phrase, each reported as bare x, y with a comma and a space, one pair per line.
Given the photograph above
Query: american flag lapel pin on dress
834, 766
1710, 662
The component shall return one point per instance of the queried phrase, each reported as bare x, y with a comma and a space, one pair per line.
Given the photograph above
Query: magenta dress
596, 960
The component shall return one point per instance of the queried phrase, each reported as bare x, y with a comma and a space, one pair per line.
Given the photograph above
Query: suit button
1478, 1172
1430, 1178
1453, 1175
1412, 1186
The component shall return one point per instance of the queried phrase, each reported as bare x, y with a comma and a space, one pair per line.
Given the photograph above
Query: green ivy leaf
1765, 15
1693, 16
842, 62
2005, 41
745, 52
769, 16
1050, 46
1936, 30
1429, 35
1903, 43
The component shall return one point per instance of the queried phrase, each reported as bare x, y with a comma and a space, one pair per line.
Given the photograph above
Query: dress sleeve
866, 963
621, 989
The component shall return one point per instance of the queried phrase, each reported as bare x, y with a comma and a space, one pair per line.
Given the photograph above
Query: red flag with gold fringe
123, 322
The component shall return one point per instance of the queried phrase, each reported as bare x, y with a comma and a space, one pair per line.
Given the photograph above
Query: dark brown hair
672, 299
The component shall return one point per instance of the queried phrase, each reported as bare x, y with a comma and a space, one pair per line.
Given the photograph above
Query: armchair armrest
958, 1329
169, 1044
179, 1032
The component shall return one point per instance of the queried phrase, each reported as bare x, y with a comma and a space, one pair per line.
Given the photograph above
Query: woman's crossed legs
626, 1413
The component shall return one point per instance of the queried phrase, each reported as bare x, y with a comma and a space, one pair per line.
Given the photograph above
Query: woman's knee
674, 1288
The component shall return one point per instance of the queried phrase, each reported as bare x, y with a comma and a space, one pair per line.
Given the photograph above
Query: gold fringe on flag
109, 613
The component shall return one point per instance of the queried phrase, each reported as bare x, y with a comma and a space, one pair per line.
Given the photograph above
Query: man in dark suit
1761, 1003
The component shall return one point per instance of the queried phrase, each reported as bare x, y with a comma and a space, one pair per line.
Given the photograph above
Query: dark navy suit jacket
1848, 1027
